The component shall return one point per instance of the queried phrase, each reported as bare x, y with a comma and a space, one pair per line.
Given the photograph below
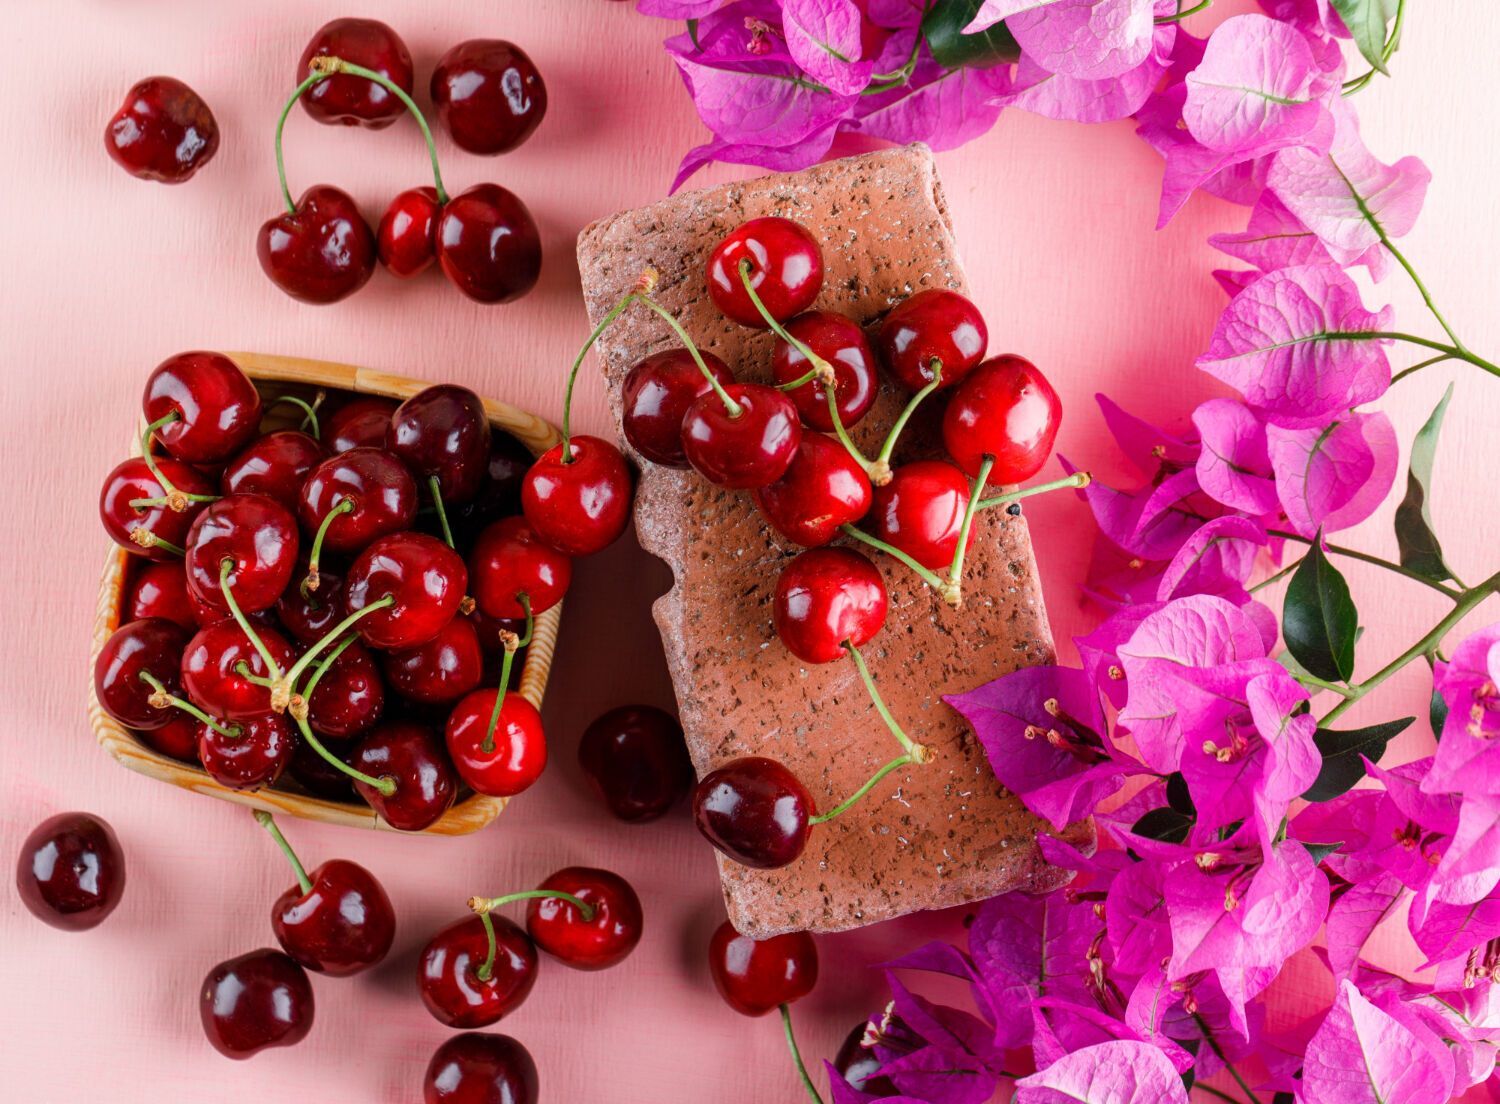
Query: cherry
319, 777
160, 590
442, 670
934, 324
163, 131
756, 976
258, 1000
442, 433
489, 95
558, 927
202, 407
755, 811
407, 235
1006, 409
843, 344
152, 646
71, 873
488, 244
157, 531
245, 545
210, 675
321, 249
359, 423
748, 447
480, 1069
785, 269
411, 755
577, 495
827, 597
448, 972
177, 739
635, 760
921, 511
823, 488
517, 752
353, 497
275, 465
508, 561
349, 696
351, 100
656, 395
309, 617
249, 753
499, 494
859, 1065
423, 579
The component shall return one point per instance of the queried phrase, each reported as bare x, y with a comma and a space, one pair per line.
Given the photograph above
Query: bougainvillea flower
1073, 99
1276, 238
1119, 1072
1467, 760
1217, 559
1149, 448
942, 107
827, 39
1234, 465
1362, 1055
993, 11
1470, 867
1087, 39
1333, 476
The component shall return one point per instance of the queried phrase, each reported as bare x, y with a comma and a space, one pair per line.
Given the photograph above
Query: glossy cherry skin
755, 811
448, 972
933, 324
210, 678
580, 505
259, 535
320, 252
425, 783
152, 645
488, 244
343, 925
255, 753
756, 976
177, 739
822, 489
606, 939
748, 450
275, 465
218, 409
859, 1065
442, 670
480, 1069
442, 431
358, 423
519, 754
786, 271
1005, 408
71, 872
489, 95
258, 1000
348, 100
921, 511
407, 235
349, 698
825, 597
842, 343
131, 480
424, 576
656, 395
162, 132
636, 761
382, 491
499, 494
509, 560
309, 618
318, 776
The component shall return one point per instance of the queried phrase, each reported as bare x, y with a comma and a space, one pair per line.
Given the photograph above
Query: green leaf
1341, 751
1320, 851
1178, 796
1366, 20
1420, 550
1318, 618
1437, 714
943, 26
1165, 824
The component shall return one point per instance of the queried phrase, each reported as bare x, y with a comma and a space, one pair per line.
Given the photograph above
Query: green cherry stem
435, 487
268, 822
1077, 481
328, 661
883, 461
513, 644
734, 408
284, 693
161, 697
243, 670
385, 784
309, 410
226, 568
483, 906
918, 753
928, 576
175, 500
147, 539
850, 801
791, 1042
810, 376
956, 568
344, 505
643, 286
307, 82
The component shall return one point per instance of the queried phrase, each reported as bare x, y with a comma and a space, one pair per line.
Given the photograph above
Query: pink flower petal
1119, 1072
1254, 89
1234, 466
1333, 477
1086, 39
825, 38
993, 11
1361, 1055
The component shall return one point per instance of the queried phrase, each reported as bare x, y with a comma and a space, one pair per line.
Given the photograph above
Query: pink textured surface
104, 276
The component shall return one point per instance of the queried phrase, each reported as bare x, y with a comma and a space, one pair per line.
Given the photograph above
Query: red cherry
827, 596
275, 465
407, 235
349, 697
1006, 409
215, 409
489, 95
423, 575
822, 489
786, 271
442, 670
748, 449
412, 756
756, 976
348, 100
342, 925
258, 536
859, 1065
480, 1069
177, 739
636, 761
442, 432
509, 560
163, 131
448, 972
209, 672
138, 528
499, 493
655, 397
579, 505
309, 618
843, 344
160, 590
488, 244
258, 1000
755, 811
319, 777
921, 511
71, 871
322, 250
381, 493
518, 749
153, 646
934, 324
557, 926
359, 423
253, 752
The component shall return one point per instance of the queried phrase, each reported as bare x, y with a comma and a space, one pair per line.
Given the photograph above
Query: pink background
104, 276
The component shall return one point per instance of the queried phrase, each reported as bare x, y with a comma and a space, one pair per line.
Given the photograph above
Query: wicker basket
281, 375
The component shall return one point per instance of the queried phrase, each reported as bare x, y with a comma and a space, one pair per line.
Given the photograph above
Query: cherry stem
919, 753
643, 286
330, 65
812, 375
928, 576
286, 193
328, 661
879, 478
147, 539
385, 784
513, 644
166, 697
791, 1042
266, 821
1078, 480
853, 799
309, 410
435, 485
911, 408
170, 494
286, 684
956, 568
243, 670
344, 505
226, 568
734, 408
483, 905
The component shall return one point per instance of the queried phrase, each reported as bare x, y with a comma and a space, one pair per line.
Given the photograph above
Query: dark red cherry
160, 590
578, 501
557, 926
509, 560
217, 408
359, 423
309, 618
138, 528
756, 976
251, 753
177, 739
407, 235
153, 646
258, 1000
480, 1069
825, 597
319, 777
786, 271
275, 465
859, 1065
843, 344
655, 397
822, 489
322, 250
258, 536
448, 972
636, 761
921, 511
349, 698
443, 432
413, 757
71, 872
209, 672
518, 752
755, 811
934, 324
423, 575
341, 926
1006, 409
381, 493
499, 495
349, 100
442, 670
488, 244
163, 131
749, 449
489, 95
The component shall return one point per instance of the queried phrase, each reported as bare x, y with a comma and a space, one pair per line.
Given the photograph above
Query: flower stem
1365, 557
849, 802
435, 486
1314, 682
1181, 14
956, 568
1411, 369
734, 408
385, 784
1077, 480
513, 644
1455, 352
791, 1042
1282, 574
883, 461
344, 505
226, 568
925, 574
1208, 1037
159, 691
918, 753
266, 821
